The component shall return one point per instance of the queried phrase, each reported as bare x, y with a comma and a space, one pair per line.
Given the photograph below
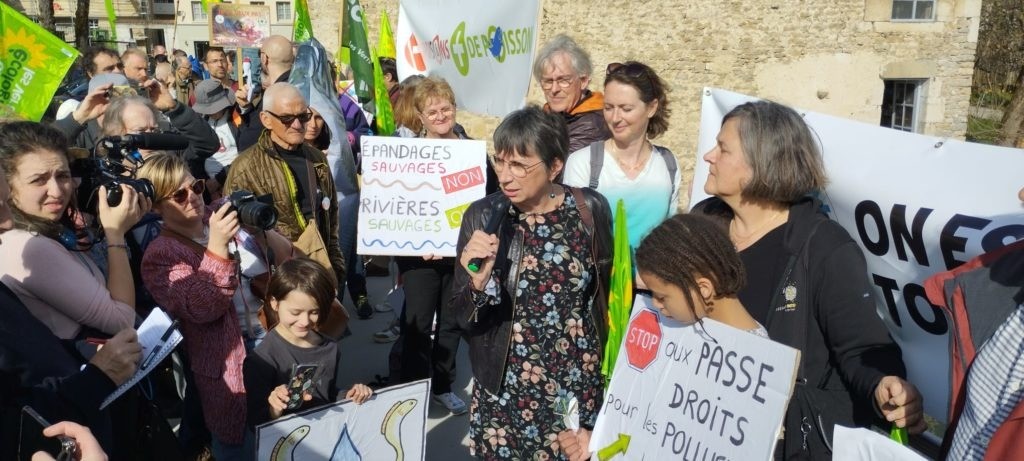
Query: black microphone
497, 216
155, 141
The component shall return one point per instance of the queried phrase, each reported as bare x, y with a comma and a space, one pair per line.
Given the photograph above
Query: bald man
259, 169
136, 65
276, 60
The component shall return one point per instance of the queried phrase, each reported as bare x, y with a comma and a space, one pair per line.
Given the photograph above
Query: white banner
391, 425
916, 205
483, 49
694, 391
415, 191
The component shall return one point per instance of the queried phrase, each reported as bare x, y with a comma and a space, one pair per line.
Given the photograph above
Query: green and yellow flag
359, 52
384, 116
32, 64
620, 291
302, 29
207, 3
386, 39
112, 19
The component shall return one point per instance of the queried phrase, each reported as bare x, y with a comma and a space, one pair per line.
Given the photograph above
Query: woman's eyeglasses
290, 118
180, 196
436, 114
517, 169
631, 69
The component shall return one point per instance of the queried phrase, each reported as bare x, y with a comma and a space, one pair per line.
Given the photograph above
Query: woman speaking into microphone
531, 297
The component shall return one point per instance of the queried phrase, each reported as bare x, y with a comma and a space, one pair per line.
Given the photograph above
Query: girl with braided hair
693, 271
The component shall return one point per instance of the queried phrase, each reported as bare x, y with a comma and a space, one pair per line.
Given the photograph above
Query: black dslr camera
254, 211
116, 167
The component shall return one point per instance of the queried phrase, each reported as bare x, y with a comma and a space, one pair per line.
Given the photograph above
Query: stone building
142, 23
908, 62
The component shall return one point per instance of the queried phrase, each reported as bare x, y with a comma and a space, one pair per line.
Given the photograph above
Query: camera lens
141, 185
256, 214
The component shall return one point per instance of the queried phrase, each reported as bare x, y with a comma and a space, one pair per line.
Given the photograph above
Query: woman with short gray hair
807, 280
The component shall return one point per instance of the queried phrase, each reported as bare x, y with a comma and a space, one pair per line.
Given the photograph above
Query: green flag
620, 291
32, 64
112, 18
359, 52
302, 29
206, 4
386, 39
384, 116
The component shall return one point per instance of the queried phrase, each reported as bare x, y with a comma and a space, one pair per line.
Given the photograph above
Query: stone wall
828, 56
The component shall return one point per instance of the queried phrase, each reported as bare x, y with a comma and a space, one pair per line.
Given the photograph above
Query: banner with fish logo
483, 49
391, 425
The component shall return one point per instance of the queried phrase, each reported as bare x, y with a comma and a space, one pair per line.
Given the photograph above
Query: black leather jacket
488, 328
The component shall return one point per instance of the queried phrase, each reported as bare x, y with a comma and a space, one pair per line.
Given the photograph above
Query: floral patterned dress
553, 356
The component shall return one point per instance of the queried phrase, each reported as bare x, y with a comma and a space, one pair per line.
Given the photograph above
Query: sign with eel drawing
391, 425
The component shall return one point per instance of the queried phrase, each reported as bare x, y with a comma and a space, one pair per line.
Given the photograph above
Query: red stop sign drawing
642, 340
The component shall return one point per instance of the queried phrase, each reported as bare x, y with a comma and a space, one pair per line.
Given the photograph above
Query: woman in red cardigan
188, 271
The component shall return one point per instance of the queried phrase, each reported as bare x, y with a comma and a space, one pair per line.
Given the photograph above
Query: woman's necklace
743, 241
638, 165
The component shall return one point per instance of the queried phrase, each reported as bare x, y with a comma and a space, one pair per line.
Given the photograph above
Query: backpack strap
584, 210
671, 163
596, 162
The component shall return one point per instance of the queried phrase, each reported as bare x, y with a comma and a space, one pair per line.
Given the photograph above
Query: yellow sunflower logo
19, 38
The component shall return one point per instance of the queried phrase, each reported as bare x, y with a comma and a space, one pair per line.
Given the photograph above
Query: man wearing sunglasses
296, 174
563, 71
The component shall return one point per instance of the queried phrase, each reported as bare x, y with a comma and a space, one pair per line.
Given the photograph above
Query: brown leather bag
312, 244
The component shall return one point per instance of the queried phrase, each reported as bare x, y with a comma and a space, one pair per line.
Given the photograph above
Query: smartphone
31, 438
123, 90
300, 382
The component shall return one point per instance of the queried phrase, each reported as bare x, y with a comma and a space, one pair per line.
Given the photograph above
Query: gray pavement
362, 359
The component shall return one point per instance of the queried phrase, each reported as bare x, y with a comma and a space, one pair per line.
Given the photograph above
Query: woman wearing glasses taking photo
628, 166
190, 273
532, 297
43, 258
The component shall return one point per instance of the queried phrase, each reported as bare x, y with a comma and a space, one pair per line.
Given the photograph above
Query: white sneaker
383, 307
451, 401
387, 335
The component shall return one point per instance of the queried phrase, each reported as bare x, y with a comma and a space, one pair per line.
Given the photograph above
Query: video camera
118, 165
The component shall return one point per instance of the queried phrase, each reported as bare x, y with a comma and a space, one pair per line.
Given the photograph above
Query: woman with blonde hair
200, 254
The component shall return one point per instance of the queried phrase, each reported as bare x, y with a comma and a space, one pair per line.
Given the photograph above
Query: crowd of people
82, 264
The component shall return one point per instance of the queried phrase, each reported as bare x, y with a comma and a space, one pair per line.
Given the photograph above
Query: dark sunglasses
180, 196
289, 119
630, 68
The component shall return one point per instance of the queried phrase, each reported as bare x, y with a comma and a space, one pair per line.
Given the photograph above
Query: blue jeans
245, 451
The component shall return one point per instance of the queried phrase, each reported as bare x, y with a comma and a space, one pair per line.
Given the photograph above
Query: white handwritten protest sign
686, 392
391, 425
415, 191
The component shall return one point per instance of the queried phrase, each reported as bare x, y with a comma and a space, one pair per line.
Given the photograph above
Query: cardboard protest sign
32, 63
693, 392
916, 205
391, 425
415, 191
239, 25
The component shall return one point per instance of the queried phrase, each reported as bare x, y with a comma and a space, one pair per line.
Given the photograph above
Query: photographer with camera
42, 259
116, 107
205, 269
